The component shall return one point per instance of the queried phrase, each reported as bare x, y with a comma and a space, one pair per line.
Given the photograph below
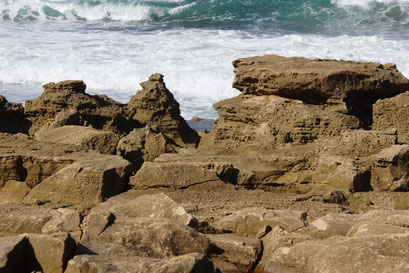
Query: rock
363, 229
144, 237
156, 106
391, 169
333, 224
99, 111
393, 113
249, 221
358, 143
188, 263
92, 180
176, 175
279, 237
12, 118
60, 172
336, 197
144, 144
13, 192
64, 220
384, 253
242, 252
18, 219
261, 124
358, 84
148, 226
52, 251
149, 206
12, 249
102, 141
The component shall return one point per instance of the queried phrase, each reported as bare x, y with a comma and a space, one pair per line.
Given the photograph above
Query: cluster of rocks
88, 184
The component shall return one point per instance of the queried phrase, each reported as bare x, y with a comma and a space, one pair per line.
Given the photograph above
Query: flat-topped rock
104, 142
61, 173
318, 80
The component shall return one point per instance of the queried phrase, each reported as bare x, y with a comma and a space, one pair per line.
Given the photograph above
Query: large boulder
175, 175
260, 124
99, 111
146, 227
60, 172
188, 263
393, 113
250, 221
12, 118
317, 80
156, 106
104, 142
66, 103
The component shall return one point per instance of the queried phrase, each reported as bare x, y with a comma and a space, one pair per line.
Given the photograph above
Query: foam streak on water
114, 44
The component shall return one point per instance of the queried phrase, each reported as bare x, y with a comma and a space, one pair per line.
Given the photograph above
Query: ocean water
114, 44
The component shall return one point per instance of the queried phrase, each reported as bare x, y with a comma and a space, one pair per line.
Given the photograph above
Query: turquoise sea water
114, 44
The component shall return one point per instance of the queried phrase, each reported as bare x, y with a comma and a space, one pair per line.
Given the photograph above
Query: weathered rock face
175, 175
156, 106
12, 118
237, 253
66, 103
393, 113
99, 111
188, 263
102, 141
317, 80
391, 169
371, 242
262, 123
147, 227
60, 172
249, 221
144, 144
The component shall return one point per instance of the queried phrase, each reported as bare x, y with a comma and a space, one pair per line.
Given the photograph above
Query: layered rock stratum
307, 170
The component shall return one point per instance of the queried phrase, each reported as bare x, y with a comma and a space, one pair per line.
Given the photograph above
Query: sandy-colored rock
61, 172
102, 141
64, 220
249, 221
91, 180
188, 263
149, 206
52, 251
177, 175
18, 219
242, 252
13, 192
333, 224
144, 237
390, 170
144, 144
11, 253
383, 253
393, 113
260, 124
12, 118
99, 111
313, 80
156, 106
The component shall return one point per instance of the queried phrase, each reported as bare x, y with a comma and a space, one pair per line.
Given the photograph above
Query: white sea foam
367, 3
196, 62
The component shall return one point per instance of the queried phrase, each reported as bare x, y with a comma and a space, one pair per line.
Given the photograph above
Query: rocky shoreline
307, 170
